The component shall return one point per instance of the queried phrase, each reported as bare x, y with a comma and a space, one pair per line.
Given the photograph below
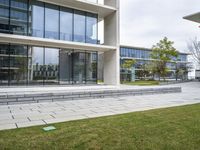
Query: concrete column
111, 68
111, 37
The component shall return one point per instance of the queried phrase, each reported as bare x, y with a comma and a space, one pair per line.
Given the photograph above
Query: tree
143, 71
194, 48
162, 53
127, 64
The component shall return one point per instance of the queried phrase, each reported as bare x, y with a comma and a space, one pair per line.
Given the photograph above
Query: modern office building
142, 57
46, 42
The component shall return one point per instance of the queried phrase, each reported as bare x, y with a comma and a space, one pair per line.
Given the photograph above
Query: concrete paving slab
30, 123
53, 112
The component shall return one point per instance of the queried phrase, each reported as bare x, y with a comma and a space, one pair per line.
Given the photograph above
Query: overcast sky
144, 22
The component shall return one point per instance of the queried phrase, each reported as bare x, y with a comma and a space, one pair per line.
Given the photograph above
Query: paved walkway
24, 115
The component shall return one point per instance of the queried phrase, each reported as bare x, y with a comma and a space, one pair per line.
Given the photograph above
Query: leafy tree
143, 72
127, 64
162, 53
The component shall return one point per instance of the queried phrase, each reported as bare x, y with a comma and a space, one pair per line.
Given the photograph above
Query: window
51, 66
79, 74
91, 67
79, 26
37, 22
37, 66
19, 17
51, 21
4, 16
91, 28
66, 24
18, 64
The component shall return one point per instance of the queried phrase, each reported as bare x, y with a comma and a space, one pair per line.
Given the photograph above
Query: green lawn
142, 83
175, 128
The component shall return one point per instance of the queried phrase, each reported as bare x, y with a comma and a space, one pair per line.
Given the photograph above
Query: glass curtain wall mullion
9, 72
97, 67
85, 68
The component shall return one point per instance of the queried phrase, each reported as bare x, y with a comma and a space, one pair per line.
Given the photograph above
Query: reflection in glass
37, 22
51, 66
79, 26
66, 23
18, 64
37, 75
51, 21
18, 17
91, 67
4, 64
28, 65
79, 67
65, 69
91, 28
4, 16
45, 20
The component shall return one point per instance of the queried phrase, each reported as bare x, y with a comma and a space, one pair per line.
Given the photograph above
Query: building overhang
193, 17
42, 42
101, 10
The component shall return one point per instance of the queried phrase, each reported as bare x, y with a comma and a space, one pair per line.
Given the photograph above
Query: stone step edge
38, 99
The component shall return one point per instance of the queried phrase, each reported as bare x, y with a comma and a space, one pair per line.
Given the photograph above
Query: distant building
142, 57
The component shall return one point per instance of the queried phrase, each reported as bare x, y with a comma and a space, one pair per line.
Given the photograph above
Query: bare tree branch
194, 48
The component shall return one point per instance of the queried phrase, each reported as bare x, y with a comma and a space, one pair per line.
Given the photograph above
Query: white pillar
111, 37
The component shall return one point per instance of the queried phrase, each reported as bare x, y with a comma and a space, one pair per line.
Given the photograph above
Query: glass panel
66, 23
91, 67
37, 22
79, 26
51, 65
79, 67
19, 17
4, 16
37, 68
65, 64
4, 64
18, 64
51, 21
91, 28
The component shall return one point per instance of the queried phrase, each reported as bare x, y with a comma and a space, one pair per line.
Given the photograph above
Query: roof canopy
194, 17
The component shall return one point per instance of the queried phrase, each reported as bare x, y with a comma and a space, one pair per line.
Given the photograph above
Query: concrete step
7, 99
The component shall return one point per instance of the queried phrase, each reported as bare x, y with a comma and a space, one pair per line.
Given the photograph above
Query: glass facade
30, 65
134, 53
38, 19
142, 57
144, 54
